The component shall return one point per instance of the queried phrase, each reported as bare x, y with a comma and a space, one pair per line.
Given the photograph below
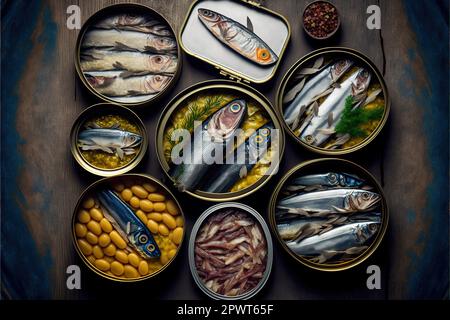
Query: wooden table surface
40, 181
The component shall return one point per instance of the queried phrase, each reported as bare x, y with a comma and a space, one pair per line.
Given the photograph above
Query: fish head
145, 243
165, 43
207, 16
349, 180
99, 81
339, 68
226, 120
162, 62
157, 82
132, 140
129, 20
361, 82
363, 200
366, 230
265, 56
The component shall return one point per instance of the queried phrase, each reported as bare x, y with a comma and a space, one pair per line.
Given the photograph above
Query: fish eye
158, 59
259, 139
235, 107
263, 54
332, 177
264, 132
309, 139
151, 247
143, 238
366, 196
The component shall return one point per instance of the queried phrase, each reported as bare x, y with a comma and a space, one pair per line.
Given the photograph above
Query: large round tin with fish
127, 53
333, 101
230, 252
237, 140
127, 228
108, 139
329, 214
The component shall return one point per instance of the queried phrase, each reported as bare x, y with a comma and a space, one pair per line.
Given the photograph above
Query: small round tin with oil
129, 54
329, 214
333, 101
240, 270
219, 140
127, 228
108, 139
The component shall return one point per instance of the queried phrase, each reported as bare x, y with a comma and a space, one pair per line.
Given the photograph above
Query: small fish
332, 200
330, 179
237, 37
133, 22
116, 86
109, 140
337, 239
128, 41
253, 148
104, 60
354, 86
128, 225
314, 87
216, 132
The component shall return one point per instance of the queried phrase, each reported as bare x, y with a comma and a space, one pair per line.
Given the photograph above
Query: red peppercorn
320, 19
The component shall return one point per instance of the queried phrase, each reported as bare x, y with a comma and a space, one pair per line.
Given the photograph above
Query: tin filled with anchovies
230, 252
128, 54
333, 101
329, 214
108, 139
127, 228
219, 140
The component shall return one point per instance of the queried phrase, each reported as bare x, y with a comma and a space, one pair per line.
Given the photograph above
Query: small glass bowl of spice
321, 20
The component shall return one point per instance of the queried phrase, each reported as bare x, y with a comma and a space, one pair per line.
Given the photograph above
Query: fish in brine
314, 87
133, 22
330, 179
237, 37
115, 86
128, 41
104, 60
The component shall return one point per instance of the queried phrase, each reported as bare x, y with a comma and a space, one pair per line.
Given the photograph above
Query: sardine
133, 22
314, 87
117, 86
337, 239
216, 132
128, 225
254, 148
333, 200
104, 60
315, 132
330, 179
128, 41
237, 37
109, 140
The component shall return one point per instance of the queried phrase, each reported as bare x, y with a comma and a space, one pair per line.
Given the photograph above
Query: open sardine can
127, 228
239, 222
128, 54
108, 139
243, 40
329, 214
333, 101
219, 140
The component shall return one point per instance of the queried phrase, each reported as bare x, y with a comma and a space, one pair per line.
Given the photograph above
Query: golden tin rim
102, 108
234, 74
104, 11
310, 56
74, 236
217, 84
344, 265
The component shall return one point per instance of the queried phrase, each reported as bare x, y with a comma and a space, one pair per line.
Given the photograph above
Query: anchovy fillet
330, 179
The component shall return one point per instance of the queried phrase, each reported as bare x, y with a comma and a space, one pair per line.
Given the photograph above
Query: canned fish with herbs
329, 214
116, 232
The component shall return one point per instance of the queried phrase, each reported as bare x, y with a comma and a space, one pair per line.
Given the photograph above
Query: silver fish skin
109, 140
330, 179
333, 200
216, 132
314, 87
355, 85
133, 22
254, 148
337, 239
128, 224
237, 37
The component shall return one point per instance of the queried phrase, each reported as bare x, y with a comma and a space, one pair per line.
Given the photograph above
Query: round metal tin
220, 85
120, 178
97, 110
120, 8
341, 51
195, 229
331, 164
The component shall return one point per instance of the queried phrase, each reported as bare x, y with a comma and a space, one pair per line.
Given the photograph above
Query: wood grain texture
40, 183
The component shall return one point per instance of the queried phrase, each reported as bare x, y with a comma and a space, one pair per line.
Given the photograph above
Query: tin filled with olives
108, 139
127, 228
